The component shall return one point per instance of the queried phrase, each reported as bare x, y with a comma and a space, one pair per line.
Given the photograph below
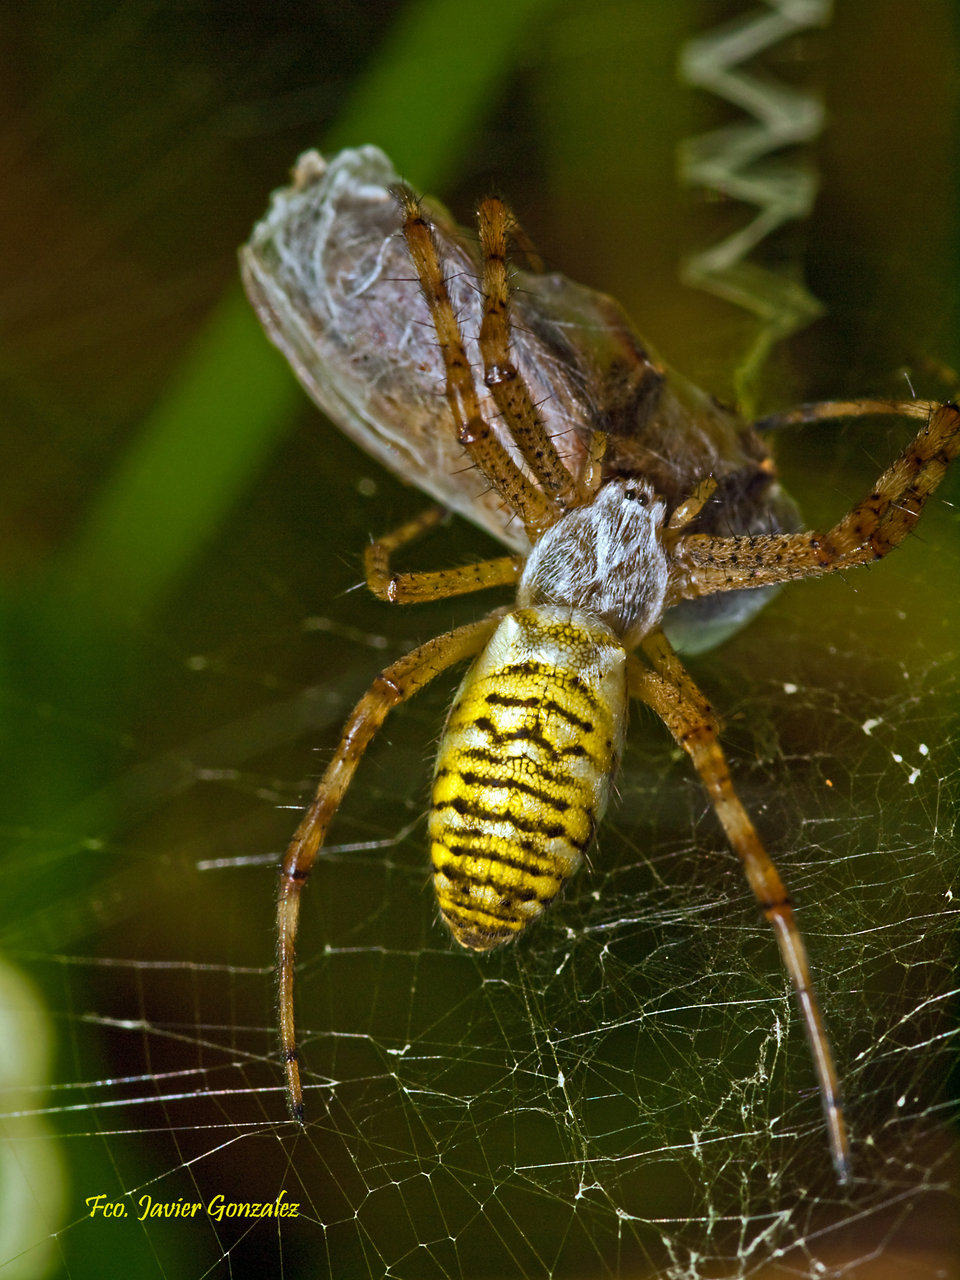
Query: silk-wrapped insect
640, 515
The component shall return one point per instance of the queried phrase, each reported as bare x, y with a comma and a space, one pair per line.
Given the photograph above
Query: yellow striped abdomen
524, 770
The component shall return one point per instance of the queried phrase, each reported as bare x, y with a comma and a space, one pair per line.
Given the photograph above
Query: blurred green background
180, 539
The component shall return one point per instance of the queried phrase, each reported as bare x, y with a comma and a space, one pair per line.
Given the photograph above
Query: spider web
625, 1092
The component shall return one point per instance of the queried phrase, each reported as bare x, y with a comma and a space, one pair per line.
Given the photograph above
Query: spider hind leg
667, 689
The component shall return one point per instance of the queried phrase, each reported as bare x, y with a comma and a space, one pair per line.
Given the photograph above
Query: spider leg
392, 686
412, 588
535, 509
830, 410
521, 241
509, 390
877, 524
669, 690
691, 507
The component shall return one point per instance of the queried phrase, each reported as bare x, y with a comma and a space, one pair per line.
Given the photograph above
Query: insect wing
330, 277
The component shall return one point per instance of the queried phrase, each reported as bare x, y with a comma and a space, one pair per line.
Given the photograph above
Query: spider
631, 501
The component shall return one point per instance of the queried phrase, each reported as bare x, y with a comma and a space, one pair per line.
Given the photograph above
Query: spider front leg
392, 686
537, 511
871, 529
511, 394
669, 690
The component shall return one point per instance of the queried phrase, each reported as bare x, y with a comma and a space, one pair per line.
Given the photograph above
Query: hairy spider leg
510, 393
392, 686
669, 690
532, 505
689, 509
869, 530
415, 588
521, 241
832, 410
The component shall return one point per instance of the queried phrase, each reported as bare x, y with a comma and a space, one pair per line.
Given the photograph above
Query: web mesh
628, 1089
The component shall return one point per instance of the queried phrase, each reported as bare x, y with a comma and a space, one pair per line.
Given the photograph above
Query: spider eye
637, 495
